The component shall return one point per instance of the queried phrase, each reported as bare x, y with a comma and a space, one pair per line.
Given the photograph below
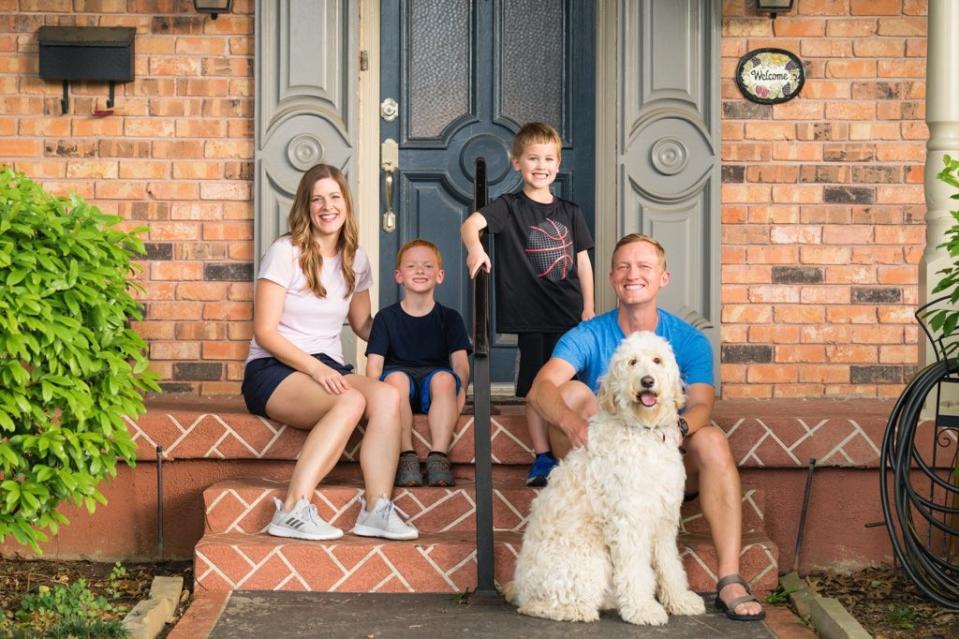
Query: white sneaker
303, 522
383, 521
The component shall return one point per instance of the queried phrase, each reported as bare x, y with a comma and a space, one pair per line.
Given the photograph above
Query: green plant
71, 367
902, 617
69, 611
945, 320
780, 595
117, 574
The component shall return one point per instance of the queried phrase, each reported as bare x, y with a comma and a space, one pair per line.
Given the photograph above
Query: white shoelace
390, 508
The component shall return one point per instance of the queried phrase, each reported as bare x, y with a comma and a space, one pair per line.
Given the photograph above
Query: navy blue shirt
408, 341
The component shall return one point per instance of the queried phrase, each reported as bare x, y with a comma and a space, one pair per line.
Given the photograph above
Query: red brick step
437, 562
246, 506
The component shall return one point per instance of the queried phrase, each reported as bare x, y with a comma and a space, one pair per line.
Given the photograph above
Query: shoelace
390, 508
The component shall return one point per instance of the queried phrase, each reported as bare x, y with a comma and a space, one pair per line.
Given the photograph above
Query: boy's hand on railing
332, 382
477, 259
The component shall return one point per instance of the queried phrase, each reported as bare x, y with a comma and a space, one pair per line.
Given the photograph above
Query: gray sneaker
385, 520
303, 522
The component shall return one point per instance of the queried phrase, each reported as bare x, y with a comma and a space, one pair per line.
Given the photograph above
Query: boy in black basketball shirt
544, 280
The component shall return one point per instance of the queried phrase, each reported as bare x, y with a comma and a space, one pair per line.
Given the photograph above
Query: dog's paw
687, 603
559, 613
647, 613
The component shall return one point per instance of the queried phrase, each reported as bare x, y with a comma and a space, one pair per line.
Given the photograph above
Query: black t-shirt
534, 263
408, 341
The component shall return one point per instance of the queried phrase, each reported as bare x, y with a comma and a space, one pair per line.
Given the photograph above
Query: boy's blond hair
419, 242
536, 133
639, 237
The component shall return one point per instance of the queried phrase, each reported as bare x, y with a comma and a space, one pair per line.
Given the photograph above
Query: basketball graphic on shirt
550, 250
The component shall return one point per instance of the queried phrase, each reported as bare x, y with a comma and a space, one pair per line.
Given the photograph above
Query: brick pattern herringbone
246, 507
440, 562
783, 442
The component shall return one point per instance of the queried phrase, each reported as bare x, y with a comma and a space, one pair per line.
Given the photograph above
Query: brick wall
175, 155
822, 196
823, 202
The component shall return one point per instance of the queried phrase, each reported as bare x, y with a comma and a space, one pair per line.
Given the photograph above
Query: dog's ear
604, 397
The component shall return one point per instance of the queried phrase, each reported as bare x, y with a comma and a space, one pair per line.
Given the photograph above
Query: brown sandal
730, 609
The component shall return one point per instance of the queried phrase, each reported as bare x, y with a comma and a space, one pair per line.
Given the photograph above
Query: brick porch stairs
236, 554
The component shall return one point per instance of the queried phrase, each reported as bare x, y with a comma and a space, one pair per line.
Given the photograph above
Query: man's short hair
536, 133
639, 237
419, 242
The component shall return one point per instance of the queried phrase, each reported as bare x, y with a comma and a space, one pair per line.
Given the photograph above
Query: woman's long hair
301, 230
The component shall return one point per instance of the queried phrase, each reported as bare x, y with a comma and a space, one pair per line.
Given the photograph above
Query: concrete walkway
281, 615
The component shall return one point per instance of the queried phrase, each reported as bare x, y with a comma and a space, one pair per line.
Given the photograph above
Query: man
563, 393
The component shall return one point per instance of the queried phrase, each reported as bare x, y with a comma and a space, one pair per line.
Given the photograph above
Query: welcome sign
770, 76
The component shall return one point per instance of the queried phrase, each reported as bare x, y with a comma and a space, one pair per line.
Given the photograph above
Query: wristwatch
683, 427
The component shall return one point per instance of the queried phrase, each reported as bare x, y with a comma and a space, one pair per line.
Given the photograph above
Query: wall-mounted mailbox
86, 53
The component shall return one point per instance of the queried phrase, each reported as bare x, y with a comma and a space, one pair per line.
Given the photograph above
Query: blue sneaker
541, 468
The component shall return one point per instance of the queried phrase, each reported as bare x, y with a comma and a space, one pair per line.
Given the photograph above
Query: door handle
389, 162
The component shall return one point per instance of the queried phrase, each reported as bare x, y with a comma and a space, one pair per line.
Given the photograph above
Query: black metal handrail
481, 404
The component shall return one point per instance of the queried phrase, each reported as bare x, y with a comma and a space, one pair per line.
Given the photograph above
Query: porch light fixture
213, 7
775, 6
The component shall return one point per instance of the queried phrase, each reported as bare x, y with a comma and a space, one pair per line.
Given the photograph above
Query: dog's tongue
647, 398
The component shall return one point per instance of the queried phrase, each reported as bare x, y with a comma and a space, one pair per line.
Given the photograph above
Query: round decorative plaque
770, 76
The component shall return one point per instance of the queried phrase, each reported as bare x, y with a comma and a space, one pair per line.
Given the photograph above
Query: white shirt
312, 324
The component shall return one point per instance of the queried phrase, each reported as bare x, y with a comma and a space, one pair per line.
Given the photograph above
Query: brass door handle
389, 162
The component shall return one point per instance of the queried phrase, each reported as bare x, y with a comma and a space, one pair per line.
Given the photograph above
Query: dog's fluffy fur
602, 534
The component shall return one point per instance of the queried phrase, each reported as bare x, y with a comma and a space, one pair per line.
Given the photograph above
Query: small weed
68, 611
117, 574
780, 595
462, 598
902, 617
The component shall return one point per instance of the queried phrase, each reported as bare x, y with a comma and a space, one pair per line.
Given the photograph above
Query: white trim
607, 89
367, 157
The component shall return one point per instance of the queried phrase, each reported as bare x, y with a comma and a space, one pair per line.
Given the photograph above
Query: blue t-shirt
589, 346
410, 342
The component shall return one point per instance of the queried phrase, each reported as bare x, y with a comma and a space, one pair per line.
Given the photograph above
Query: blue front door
465, 76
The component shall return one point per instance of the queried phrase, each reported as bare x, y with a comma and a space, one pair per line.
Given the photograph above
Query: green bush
70, 366
945, 320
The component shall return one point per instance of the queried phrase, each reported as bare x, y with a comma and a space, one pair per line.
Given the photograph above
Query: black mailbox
86, 53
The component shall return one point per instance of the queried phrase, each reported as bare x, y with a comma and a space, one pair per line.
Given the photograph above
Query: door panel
668, 147
466, 76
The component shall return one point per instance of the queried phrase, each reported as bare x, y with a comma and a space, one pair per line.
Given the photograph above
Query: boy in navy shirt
420, 347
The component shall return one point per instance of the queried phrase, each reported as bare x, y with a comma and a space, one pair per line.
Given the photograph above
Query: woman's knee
353, 403
382, 398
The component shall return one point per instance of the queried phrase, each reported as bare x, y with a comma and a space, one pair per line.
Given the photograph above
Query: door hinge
364, 61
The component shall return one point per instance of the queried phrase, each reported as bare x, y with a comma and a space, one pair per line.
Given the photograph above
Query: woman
310, 280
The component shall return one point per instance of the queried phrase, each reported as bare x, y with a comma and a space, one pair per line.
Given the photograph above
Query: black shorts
419, 378
535, 349
263, 375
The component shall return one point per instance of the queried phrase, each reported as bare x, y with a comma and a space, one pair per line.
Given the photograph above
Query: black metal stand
919, 477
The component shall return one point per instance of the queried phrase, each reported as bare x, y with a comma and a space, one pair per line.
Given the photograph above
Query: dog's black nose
647, 381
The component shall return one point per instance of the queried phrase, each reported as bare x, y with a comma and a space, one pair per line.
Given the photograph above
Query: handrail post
481, 407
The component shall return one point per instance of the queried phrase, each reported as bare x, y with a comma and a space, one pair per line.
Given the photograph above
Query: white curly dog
602, 534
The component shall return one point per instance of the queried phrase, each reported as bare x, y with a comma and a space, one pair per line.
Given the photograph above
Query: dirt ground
20, 577
888, 604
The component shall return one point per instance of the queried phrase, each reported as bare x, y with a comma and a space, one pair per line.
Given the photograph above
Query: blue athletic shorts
263, 375
419, 378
